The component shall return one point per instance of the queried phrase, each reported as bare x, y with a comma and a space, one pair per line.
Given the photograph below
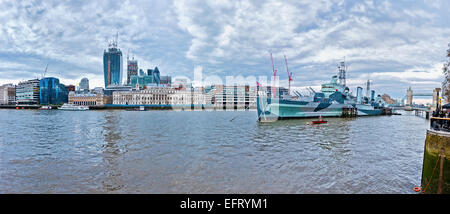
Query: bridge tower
409, 97
436, 99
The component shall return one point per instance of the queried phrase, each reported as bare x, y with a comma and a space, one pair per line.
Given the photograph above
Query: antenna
342, 70
117, 39
274, 76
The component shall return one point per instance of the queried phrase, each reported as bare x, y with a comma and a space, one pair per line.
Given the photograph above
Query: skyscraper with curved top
112, 65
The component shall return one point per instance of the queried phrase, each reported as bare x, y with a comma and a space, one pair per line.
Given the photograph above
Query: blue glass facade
52, 92
112, 66
156, 76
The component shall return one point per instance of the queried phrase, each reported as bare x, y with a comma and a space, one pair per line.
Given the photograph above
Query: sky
395, 44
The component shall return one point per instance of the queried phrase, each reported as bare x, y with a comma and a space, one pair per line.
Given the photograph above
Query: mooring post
441, 171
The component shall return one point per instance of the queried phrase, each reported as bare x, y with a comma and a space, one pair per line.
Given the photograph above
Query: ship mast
342, 70
274, 76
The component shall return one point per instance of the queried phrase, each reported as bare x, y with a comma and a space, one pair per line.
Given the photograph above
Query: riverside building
28, 92
86, 99
149, 96
7, 94
51, 92
233, 97
161, 96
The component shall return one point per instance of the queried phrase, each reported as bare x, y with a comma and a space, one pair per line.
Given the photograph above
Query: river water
206, 152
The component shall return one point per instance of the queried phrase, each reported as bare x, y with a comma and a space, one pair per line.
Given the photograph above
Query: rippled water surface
206, 152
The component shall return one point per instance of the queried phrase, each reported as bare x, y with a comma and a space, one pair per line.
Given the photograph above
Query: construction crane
45, 71
274, 76
289, 75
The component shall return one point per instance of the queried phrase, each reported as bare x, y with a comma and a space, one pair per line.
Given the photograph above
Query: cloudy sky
396, 44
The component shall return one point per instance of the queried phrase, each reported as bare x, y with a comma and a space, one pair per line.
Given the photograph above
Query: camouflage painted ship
330, 102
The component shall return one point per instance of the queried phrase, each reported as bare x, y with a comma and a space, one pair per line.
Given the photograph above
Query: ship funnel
359, 95
372, 95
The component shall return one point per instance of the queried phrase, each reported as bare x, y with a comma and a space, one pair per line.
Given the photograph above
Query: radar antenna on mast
342, 72
274, 76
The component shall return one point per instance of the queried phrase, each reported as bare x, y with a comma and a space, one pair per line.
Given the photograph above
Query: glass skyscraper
112, 65
156, 76
52, 92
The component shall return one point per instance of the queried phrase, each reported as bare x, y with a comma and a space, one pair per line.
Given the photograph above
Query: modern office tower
7, 94
141, 72
141, 81
149, 72
84, 84
52, 92
112, 65
28, 92
156, 76
132, 68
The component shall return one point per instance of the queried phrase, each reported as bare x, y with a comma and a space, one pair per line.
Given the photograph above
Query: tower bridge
410, 94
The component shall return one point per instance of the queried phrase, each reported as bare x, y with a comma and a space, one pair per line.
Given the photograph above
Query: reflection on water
111, 152
206, 152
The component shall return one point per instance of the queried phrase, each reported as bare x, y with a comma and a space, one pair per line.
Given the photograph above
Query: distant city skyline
396, 44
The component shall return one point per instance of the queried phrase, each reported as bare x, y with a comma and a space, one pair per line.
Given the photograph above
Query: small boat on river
320, 121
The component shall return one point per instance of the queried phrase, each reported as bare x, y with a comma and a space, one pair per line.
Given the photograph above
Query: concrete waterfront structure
28, 92
112, 65
436, 163
7, 94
